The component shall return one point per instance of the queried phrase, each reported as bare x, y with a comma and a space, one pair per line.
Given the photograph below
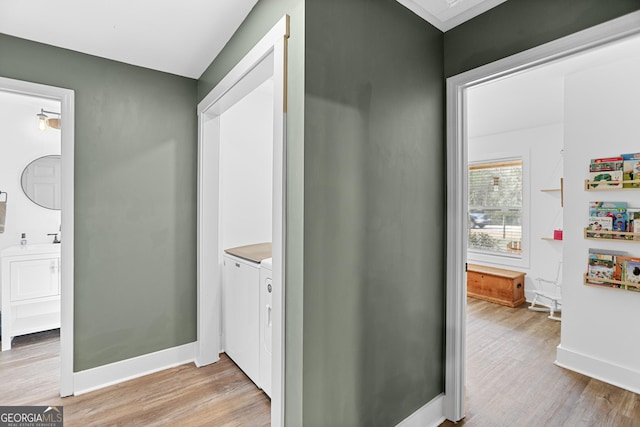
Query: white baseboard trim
599, 369
114, 373
430, 415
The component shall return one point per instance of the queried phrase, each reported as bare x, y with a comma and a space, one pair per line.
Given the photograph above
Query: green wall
262, 18
364, 144
135, 199
374, 213
518, 25
365, 152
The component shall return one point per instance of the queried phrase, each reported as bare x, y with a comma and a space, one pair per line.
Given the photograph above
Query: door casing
267, 59
456, 86
67, 128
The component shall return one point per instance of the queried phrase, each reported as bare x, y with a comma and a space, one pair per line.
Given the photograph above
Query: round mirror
41, 181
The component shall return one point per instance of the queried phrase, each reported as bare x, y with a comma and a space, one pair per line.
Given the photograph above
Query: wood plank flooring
512, 381
215, 395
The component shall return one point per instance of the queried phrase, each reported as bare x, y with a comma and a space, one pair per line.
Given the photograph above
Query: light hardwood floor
215, 395
512, 381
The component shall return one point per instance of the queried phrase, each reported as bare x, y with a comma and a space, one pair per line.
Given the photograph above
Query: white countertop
267, 263
254, 253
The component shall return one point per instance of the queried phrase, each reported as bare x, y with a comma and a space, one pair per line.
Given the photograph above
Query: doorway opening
58, 197
458, 134
265, 62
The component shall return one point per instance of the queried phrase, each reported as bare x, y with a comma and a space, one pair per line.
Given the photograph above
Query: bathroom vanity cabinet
30, 278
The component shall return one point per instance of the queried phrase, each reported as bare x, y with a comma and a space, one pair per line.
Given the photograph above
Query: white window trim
522, 261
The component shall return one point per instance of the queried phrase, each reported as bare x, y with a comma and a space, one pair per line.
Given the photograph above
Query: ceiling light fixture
452, 3
45, 122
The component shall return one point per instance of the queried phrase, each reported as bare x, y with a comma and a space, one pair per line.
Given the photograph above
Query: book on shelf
596, 224
618, 266
631, 169
601, 160
602, 265
615, 211
634, 219
599, 268
627, 269
631, 271
606, 172
599, 223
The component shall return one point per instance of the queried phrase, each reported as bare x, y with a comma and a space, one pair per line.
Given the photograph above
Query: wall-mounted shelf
606, 185
561, 190
618, 236
611, 283
551, 239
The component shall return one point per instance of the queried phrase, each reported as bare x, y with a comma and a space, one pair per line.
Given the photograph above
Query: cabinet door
34, 279
240, 321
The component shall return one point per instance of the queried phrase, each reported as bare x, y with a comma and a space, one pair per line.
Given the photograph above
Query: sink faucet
55, 239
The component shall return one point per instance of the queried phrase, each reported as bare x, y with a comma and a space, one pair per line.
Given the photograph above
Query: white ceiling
178, 37
446, 14
535, 97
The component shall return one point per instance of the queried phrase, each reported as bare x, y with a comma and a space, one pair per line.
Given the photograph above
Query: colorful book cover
601, 160
617, 211
634, 221
620, 265
631, 169
631, 271
599, 223
606, 208
627, 269
603, 265
606, 172
606, 179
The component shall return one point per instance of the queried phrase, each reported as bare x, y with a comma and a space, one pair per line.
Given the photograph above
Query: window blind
495, 207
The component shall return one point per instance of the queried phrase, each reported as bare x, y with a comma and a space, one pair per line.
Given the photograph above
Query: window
495, 208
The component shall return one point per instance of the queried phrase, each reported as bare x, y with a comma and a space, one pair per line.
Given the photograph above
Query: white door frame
590, 38
66, 98
268, 58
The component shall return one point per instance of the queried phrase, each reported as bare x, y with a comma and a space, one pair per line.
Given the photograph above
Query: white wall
540, 147
246, 132
20, 143
599, 327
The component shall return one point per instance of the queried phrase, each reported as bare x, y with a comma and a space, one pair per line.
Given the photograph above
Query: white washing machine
266, 324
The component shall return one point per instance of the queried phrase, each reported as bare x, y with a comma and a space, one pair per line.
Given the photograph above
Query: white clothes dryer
266, 324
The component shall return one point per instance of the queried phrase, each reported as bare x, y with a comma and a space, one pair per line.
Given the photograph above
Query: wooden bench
505, 287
